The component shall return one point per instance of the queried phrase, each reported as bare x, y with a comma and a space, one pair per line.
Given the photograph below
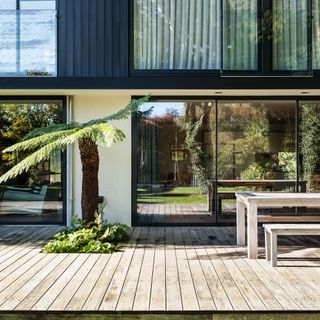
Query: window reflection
256, 150
175, 158
37, 195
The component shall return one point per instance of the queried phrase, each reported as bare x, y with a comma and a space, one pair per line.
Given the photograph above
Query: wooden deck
174, 213
159, 269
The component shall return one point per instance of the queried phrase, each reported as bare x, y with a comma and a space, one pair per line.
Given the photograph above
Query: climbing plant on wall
310, 145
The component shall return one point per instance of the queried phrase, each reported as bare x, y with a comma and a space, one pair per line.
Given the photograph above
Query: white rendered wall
115, 162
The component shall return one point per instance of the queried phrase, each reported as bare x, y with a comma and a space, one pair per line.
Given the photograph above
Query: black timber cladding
93, 38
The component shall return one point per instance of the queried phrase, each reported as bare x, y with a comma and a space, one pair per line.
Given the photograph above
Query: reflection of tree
256, 141
243, 131
16, 121
310, 145
194, 125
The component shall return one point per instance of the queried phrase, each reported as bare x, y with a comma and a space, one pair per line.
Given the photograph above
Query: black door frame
216, 100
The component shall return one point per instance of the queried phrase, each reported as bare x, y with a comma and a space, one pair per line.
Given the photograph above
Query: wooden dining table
250, 202
267, 185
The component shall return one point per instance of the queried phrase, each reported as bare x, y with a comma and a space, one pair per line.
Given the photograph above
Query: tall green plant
310, 145
193, 126
45, 142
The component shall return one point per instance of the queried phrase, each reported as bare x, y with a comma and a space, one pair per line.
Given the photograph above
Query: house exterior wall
92, 38
115, 162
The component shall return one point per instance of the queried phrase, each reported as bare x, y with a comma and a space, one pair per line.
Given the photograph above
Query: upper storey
197, 44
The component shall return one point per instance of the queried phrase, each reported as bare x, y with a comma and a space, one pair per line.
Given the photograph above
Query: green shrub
257, 171
92, 237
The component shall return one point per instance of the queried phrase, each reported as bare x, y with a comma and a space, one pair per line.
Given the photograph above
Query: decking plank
158, 290
128, 291
203, 292
94, 300
28, 302
299, 276
111, 297
127, 294
51, 294
26, 275
188, 292
65, 296
81, 295
173, 290
12, 256
279, 294
252, 278
143, 292
217, 290
230, 287
160, 269
18, 296
29, 261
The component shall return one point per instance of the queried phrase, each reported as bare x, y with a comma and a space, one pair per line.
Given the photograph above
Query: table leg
252, 231
241, 224
274, 249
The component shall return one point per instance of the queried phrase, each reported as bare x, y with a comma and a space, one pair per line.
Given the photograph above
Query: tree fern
102, 134
45, 142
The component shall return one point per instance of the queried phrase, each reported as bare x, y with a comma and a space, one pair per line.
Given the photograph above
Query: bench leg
274, 249
267, 244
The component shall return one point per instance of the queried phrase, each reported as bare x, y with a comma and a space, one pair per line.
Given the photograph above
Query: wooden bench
272, 231
299, 217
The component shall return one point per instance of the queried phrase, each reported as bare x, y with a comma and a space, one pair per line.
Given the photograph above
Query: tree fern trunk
90, 185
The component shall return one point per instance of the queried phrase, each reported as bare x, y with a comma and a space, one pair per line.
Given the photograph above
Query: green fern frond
34, 159
37, 142
122, 114
105, 135
58, 137
102, 134
50, 129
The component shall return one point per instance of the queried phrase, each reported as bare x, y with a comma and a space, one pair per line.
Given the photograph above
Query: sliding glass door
35, 196
256, 150
309, 145
175, 160
194, 155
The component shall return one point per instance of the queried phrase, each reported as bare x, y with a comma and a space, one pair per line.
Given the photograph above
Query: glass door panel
256, 150
309, 145
175, 161
35, 196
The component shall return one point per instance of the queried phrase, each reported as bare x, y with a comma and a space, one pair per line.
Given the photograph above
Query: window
191, 156
8, 4
28, 38
316, 34
231, 35
290, 34
27, 4
186, 35
37, 4
240, 35
35, 196
177, 34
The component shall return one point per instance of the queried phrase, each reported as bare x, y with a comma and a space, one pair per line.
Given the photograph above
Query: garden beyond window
193, 155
